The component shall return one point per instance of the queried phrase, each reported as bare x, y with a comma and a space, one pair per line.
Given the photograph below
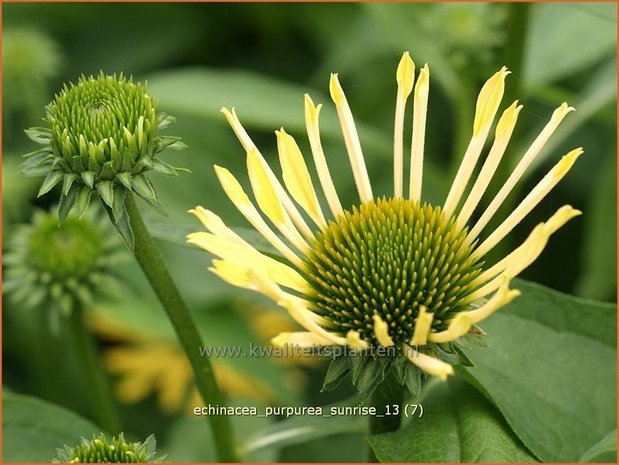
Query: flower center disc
389, 257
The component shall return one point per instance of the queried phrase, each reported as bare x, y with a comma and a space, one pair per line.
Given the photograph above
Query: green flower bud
103, 136
61, 266
117, 450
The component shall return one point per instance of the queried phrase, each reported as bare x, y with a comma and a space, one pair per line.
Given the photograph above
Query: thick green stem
104, 409
149, 258
515, 45
387, 398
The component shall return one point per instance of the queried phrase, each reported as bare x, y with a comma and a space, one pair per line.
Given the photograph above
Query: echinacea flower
391, 271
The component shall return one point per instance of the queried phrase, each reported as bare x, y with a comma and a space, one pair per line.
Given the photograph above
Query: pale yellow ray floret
351, 139
405, 77
530, 201
504, 129
420, 110
353, 339
297, 177
313, 133
300, 339
269, 202
248, 145
239, 198
381, 331
514, 177
432, 366
488, 103
423, 325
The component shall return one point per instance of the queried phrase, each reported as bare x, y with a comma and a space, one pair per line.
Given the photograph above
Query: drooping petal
405, 77
214, 224
423, 325
351, 139
353, 339
381, 331
300, 339
313, 133
432, 366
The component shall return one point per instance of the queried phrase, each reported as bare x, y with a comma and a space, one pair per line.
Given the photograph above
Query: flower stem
387, 398
104, 408
151, 262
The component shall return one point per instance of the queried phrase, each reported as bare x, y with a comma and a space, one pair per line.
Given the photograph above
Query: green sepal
170, 142
337, 371
357, 363
39, 135
164, 168
165, 121
125, 179
67, 182
89, 178
37, 153
52, 178
369, 377
82, 201
118, 203
400, 365
413, 380
106, 191
66, 203
77, 164
143, 187
107, 170
122, 225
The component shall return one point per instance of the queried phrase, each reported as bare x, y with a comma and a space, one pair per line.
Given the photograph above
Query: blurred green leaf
568, 37
33, 429
550, 370
599, 255
261, 102
458, 425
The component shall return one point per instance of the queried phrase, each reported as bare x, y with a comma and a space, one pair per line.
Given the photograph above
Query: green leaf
458, 425
338, 369
584, 35
550, 370
603, 451
33, 429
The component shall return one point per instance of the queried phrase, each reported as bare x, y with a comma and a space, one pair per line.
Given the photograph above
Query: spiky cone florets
392, 272
103, 136
117, 450
61, 266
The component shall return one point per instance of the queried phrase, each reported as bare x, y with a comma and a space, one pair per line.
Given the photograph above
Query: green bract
116, 450
60, 266
103, 136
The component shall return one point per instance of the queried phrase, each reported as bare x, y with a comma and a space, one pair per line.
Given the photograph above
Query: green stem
515, 45
104, 408
151, 261
387, 398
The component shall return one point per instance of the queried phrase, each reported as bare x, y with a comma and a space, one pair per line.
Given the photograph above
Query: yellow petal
381, 331
297, 177
432, 366
502, 297
423, 325
300, 339
232, 187
265, 194
405, 75
353, 339
458, 326
420, 110
489, 100
215, 224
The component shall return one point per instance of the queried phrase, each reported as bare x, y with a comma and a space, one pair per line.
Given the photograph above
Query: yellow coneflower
392, 271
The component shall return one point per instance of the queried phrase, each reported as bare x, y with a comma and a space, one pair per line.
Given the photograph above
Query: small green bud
116, 450
102, 137
61, 266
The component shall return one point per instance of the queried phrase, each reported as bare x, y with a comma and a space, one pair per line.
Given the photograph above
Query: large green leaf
33, 429
550, 368
568, 37
458, 425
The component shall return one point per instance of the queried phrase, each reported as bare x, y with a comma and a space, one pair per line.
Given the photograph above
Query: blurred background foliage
261, 59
